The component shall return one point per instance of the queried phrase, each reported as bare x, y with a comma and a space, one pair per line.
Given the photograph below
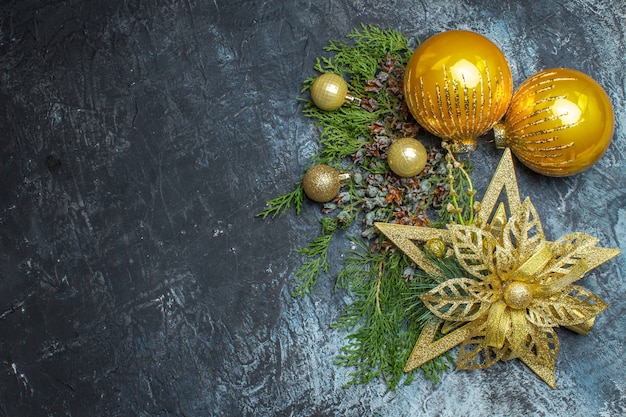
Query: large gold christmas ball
559, 123
321, 183
457, 85
329, 91
407, 157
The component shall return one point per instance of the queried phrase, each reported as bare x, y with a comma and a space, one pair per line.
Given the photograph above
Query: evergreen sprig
317, 254
382, 330
279, 205
360, 58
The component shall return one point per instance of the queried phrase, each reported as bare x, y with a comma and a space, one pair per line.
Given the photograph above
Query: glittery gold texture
321, 183
518, 286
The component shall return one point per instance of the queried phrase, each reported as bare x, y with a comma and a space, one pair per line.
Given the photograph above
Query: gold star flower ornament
516, 289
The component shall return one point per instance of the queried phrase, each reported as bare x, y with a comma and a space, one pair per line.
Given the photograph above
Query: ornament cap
462, 146
500, 136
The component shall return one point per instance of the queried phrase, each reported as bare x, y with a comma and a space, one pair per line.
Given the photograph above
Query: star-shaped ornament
517, 287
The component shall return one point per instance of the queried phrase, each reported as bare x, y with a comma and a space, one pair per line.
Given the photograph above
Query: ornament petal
474, 353
427, 348
567, 253
571, 306
594, 256
570, 250
474, 248
459, 299
542, 349
530, 230
522, 235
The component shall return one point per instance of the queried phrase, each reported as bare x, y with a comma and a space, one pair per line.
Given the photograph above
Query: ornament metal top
458, 85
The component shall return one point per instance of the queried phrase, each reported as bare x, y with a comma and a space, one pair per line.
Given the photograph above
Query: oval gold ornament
560, 122
458, 85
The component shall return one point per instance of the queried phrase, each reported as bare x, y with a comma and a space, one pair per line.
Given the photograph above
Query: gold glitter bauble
407, 157
436, 247
560, 122
321, 183
457, 85
329, 91
517, 295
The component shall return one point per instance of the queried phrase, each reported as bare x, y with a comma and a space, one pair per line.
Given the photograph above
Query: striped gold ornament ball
458, 85
560, 122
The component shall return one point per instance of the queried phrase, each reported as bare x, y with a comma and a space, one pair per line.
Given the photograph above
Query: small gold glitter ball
329, 91
436, 247
321, 183
407, 157
518, 295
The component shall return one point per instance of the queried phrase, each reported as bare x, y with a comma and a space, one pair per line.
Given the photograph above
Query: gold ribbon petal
498, 324
575, 273
519, 332
528, 271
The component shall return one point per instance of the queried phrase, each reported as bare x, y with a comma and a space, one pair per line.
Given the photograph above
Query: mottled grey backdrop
139, 138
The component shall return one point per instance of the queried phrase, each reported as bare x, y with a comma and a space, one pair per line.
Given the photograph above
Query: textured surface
138, 140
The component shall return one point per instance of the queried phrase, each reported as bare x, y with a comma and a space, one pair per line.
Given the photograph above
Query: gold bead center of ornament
518, 294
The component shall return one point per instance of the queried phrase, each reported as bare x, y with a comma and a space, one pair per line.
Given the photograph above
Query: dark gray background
138, 140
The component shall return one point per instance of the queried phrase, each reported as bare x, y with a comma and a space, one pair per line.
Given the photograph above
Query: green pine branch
382, 329
279, 205
317, 253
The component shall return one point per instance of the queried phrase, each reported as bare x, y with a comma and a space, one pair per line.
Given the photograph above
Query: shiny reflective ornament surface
457, 85
330, 91
407, 157
559, 123
322, 183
